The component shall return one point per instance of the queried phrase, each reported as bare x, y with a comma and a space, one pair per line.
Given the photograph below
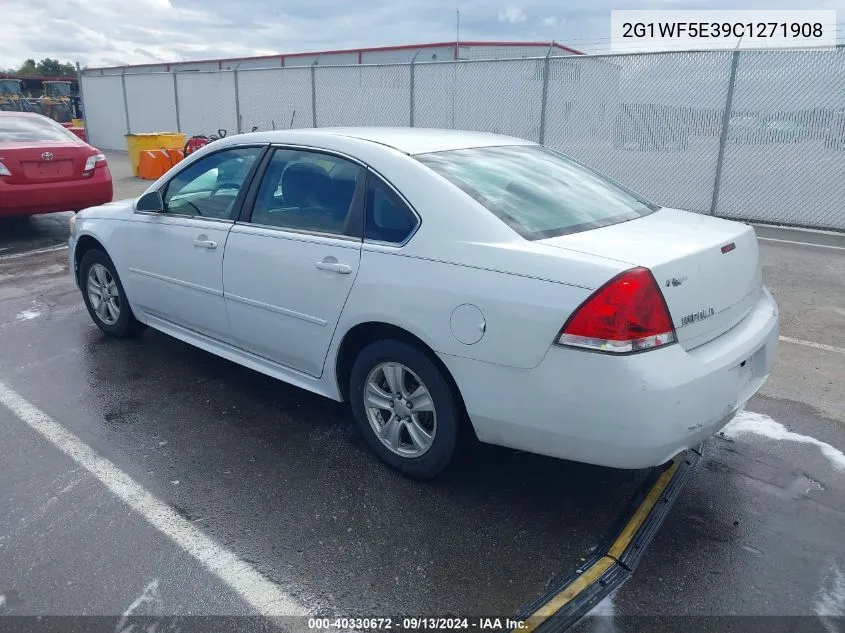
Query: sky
118, 32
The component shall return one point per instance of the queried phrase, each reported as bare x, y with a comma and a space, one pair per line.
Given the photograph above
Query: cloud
113, 32
513, 15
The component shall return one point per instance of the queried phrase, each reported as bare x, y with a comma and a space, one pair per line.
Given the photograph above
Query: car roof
408, 140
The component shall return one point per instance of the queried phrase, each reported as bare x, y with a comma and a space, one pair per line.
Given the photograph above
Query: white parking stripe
772, 239
36, 251
259, 592
813, 344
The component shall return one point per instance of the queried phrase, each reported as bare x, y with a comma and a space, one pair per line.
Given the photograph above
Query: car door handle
209, 244
334, 267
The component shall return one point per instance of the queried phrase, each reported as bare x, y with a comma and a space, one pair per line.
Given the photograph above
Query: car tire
441, 423
97, 267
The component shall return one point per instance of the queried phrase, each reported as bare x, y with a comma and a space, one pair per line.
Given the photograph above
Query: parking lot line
36, 251
259, 592
813, 344
772, 239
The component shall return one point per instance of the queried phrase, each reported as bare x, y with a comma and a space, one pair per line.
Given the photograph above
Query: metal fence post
238, 125
125, 101
413, 63
314, 93
454, 85
545, 96
723, 137
82, 100
176, 101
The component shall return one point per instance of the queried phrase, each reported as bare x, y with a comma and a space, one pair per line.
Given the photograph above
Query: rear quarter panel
522, 315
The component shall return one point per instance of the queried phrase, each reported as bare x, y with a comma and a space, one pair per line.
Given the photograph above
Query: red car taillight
93, 162
627, 314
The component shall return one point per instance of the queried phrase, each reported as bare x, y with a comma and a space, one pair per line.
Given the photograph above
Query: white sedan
436, 279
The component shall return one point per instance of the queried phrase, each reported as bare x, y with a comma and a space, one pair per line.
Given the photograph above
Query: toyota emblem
47, 156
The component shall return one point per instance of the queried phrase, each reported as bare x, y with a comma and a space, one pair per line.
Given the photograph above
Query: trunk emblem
674, 282
704, 313
727, 248
47, 156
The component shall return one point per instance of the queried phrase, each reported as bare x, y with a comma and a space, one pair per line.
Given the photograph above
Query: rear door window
308, 191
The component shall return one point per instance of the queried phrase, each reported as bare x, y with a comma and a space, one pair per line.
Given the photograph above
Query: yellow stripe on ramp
617, 549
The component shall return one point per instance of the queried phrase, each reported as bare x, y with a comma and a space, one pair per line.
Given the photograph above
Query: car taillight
4, 171
97, 160
627, 314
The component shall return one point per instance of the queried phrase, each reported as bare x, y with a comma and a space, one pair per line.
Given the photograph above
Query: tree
29, 68
54, 68
46, 68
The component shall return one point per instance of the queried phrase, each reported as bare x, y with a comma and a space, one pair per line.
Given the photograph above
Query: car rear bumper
633, 411
72, 195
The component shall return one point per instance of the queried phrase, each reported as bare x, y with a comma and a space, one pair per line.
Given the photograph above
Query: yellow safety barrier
153, 163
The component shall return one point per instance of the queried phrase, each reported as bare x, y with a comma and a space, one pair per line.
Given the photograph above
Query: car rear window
23, 129
536, 191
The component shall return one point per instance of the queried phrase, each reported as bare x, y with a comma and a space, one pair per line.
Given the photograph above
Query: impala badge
47, 156
704, 313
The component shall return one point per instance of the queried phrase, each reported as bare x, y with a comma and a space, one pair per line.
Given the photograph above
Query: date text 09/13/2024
415, 624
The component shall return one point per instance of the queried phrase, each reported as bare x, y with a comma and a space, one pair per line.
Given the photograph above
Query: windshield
10, 86
23, 129
537, 192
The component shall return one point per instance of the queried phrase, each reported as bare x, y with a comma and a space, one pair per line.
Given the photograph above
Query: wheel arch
84, 244
362, 334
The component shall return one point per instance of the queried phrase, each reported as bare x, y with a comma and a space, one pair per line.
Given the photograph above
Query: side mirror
150, 201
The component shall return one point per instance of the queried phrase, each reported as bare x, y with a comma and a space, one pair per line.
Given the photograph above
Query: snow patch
601, 617
26, 315
760, 424
830, 599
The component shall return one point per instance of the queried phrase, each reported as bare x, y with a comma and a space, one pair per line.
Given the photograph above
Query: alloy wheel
400, 409
103, 294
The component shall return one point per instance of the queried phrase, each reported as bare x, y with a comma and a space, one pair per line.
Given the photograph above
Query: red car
45, 167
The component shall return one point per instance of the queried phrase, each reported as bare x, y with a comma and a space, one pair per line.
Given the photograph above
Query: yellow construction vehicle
12, 97
56, 101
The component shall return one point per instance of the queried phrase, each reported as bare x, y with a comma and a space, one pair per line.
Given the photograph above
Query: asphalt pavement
133, 468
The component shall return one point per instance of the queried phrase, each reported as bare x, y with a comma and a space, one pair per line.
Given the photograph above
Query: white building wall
105, 116
326, 59
247, 64
502, 52
405, 55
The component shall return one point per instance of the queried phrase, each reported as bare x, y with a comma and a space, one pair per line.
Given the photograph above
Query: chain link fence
756, 135
269, 100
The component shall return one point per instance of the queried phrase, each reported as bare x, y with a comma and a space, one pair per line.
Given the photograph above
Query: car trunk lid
45, 162
707, 268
